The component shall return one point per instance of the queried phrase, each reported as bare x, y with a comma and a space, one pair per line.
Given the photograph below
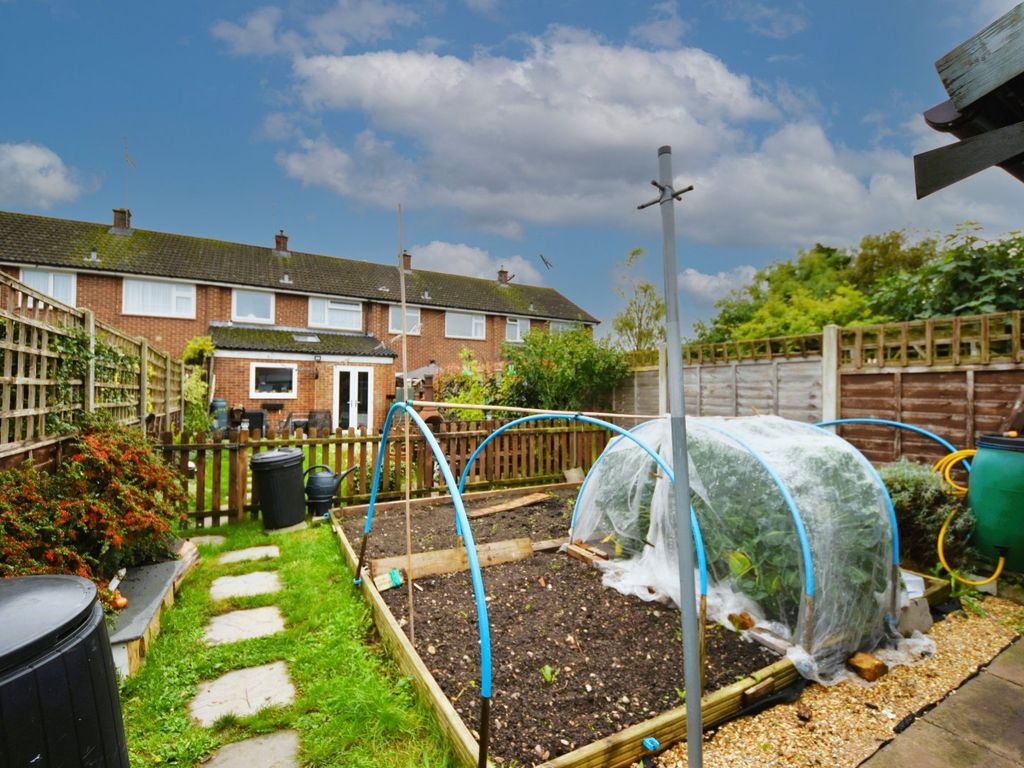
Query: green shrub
198, 350
197, 413
922, 505
111, 503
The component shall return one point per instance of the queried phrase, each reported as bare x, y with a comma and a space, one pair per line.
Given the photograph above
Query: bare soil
433, 527
573, 661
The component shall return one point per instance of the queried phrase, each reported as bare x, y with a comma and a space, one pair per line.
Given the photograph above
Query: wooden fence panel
220, 486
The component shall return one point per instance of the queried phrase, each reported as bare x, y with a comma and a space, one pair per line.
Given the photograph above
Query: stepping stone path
255, 583
247, 691
243, 692
244, 625
275, 750
252, 553
211, 541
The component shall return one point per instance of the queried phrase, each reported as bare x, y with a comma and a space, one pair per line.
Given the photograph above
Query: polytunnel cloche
796, 528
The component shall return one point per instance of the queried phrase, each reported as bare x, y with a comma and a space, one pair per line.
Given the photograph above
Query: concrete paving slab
209, 541
242, 692
1009, 665
924, 745
244, 625
987, 711
290, 529
256, 583
274, 750
251, 553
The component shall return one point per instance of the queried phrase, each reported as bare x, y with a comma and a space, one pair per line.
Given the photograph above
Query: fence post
241, 473
830, 339
143, 381
181, 396
89, 385
167, 391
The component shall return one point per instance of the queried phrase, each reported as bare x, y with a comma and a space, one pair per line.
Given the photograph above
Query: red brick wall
314, 393
103, 295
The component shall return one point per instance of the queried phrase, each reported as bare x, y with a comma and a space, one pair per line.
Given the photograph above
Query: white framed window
557, 326
60, 285
516, 328
412, 320
278, 381
158, 298
463, 325
331, 313
252, 306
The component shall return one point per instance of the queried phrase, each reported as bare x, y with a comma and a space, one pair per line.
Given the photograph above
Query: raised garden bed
582, 674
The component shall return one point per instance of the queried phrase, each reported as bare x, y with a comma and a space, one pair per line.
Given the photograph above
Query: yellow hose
945, 467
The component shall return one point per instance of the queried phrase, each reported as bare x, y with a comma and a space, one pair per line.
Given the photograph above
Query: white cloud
706, 289
565, 133
462, 259
665, 27
34, 175
364, 21
765, 20
258, 35
482, 6
361, 21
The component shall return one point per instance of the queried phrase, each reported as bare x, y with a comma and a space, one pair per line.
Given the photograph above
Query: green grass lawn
353, 706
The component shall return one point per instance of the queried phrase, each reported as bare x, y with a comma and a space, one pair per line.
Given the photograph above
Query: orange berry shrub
112, 502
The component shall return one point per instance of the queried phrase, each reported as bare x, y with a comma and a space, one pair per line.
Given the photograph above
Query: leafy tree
882, 255
198, 350
641, 325
800, 312
562, 371
971, 276
787, 296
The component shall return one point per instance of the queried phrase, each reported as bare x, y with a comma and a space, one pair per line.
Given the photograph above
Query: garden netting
755, 482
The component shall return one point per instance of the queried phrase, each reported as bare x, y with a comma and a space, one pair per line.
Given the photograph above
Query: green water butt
996, 496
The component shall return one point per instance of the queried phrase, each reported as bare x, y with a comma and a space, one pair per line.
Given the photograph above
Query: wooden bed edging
409, 661
618, 750
444, 498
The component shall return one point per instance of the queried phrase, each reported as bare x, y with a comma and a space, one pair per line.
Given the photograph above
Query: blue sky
506, 129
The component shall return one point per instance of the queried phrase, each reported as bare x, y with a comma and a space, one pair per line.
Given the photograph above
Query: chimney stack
406, 261
503, 276
122, 218
281, 242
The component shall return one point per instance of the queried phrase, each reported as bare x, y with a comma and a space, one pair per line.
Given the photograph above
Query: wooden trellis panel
30, 322
35, 405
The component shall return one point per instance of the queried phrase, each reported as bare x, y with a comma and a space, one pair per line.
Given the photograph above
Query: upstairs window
557, 326
59, 285
412, 320
159, 298
252, 306
516, 328
331, 313
462, 325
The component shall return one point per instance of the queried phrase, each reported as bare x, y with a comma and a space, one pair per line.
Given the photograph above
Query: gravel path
845, 724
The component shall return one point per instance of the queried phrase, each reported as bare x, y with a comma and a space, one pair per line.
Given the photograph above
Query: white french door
353, 397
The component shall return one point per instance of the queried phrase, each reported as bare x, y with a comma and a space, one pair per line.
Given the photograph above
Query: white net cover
755, 483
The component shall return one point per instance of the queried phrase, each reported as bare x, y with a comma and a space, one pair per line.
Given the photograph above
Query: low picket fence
216, 467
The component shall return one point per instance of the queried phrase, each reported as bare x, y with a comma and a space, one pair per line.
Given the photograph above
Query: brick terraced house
295, 332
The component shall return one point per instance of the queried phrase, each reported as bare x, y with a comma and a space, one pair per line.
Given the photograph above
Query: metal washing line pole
680, 463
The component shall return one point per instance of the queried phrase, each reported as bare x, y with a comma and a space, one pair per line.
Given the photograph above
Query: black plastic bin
278, 479
59, 704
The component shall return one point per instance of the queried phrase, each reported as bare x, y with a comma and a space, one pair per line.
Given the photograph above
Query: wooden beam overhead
986, 61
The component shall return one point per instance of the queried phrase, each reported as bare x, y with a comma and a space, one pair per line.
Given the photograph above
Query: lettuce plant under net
796, 529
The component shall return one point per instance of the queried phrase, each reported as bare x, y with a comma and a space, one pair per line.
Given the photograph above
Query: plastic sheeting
796, 527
